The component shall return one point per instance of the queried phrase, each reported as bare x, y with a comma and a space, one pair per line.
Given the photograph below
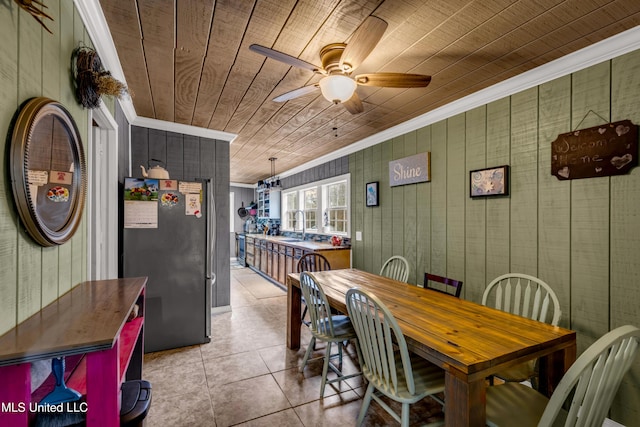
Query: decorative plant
28, 5
91, 79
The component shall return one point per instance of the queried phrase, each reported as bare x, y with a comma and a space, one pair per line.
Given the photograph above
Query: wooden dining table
469, 341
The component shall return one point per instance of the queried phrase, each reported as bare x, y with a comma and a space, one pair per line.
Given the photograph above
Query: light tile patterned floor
246, 376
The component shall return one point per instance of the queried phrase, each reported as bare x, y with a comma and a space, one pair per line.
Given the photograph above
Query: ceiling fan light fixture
337, 88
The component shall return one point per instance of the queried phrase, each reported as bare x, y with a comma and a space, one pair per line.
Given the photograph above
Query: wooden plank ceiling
188, 61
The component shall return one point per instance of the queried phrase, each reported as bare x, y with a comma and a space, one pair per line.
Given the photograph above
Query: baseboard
221, 309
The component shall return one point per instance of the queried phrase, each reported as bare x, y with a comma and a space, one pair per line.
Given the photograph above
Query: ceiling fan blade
362, 42
283, 57
296, 93
393, 80
353, 104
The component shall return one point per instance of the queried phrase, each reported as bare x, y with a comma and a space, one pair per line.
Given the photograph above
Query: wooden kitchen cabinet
250, 250
276, 259
264, 256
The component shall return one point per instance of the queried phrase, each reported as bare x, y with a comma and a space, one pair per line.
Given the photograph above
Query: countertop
302, 244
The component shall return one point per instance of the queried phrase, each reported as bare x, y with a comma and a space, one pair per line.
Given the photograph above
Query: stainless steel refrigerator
177, 255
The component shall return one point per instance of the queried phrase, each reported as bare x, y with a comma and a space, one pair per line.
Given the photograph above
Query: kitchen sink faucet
295, 214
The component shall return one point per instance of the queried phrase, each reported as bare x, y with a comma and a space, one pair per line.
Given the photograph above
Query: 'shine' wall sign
609, 149
410, 170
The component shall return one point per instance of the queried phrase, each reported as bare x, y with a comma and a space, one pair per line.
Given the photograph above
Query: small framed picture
489, 182
372, 194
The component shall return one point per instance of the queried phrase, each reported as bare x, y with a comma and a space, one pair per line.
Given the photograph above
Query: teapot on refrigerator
156, 172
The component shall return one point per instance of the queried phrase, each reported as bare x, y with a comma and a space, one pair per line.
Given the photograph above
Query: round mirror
48, 171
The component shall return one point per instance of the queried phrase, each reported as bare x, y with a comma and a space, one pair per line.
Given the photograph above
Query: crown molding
185, 129
242, 185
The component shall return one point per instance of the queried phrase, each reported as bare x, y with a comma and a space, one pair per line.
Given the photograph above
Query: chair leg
340, 356
405, 415
325, 368
310, 347
366, 401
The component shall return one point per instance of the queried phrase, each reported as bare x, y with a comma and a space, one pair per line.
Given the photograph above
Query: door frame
102, 195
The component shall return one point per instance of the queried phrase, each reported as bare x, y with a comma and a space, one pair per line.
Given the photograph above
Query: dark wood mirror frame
48, 171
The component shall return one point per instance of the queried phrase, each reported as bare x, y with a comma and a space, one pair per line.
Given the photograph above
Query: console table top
87, 318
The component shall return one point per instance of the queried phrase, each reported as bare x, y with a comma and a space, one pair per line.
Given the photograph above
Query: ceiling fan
338, 62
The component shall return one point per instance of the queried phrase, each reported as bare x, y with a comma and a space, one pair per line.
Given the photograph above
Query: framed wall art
372, 194
489, 182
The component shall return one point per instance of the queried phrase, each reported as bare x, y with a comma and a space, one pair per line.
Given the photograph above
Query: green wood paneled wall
581, 236
35, 63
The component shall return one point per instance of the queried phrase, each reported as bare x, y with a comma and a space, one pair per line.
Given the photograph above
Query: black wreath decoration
91, 80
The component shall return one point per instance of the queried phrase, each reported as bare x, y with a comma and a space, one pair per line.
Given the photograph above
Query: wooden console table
90, 319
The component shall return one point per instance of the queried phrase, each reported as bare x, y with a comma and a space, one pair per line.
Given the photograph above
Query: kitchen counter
277, 256
308, 245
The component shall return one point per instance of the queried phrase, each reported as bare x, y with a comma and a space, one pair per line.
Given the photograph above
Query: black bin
136, 399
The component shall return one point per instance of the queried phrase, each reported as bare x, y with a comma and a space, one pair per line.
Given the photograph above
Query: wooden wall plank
498, 211
222, 296
174, 155
554, 209
9, 222
456, 179
423, 214
139, 150
524, 182
410, 214
157, 148
397, 202
590, 216
29, 85
475, 278
625, 233
356, 166
386, 204
191, 157
68, 42
439, 196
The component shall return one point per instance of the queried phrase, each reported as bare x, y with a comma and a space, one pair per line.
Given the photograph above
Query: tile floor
247, 377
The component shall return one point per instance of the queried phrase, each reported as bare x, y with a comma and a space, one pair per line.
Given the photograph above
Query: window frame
322, 203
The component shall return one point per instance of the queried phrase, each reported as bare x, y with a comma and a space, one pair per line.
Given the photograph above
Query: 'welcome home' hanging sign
605, 150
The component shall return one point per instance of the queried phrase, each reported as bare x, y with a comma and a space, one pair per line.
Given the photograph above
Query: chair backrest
448, 286
313, 262
378, 332
523, 295
318, 305
593, 380
396, 268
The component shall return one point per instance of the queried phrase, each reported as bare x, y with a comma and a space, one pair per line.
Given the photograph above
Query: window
311, 209
325, 205
291, 209
336, 210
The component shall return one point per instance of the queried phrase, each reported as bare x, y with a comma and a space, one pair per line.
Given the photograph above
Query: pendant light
274, 182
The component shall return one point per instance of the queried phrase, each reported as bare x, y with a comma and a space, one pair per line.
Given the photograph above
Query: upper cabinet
268, 203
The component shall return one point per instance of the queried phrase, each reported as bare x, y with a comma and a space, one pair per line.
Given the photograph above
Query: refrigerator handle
213, 239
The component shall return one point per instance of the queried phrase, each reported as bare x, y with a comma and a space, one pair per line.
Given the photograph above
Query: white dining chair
526, 296
385, 360
397, 268
583, 396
